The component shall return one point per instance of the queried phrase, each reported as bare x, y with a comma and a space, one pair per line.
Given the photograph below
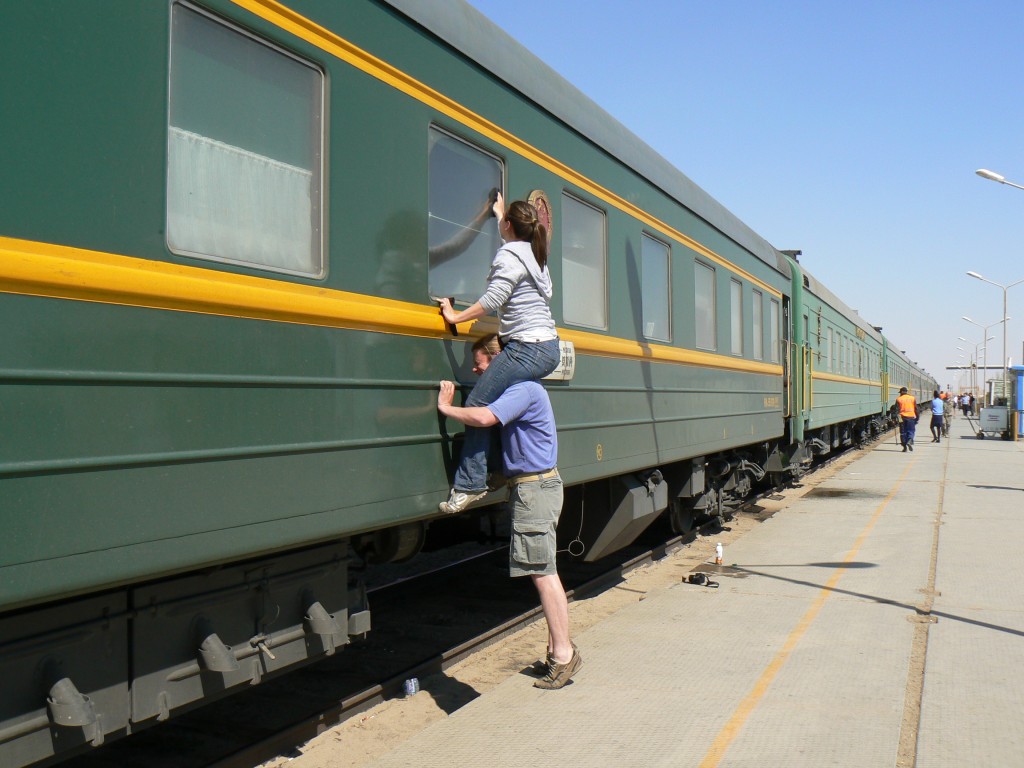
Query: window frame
318, 122
503, 181
646, 237
712, 314
576, 198
757, 321
736, 323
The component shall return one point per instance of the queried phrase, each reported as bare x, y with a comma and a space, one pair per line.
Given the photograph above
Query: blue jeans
518, 361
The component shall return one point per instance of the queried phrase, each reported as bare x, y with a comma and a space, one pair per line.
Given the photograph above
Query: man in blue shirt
529, 447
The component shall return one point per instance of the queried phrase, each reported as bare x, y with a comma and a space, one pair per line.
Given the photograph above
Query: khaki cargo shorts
536, 506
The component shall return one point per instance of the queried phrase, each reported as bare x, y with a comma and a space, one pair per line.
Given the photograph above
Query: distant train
221, 228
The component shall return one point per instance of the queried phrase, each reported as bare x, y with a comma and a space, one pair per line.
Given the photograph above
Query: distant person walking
938, 411
907, 406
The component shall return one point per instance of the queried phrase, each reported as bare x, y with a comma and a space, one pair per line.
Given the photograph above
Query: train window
583, 264
774, 320
654, 278
758, 313
244, 149
828, 350
462, 233
736, 310
704, 306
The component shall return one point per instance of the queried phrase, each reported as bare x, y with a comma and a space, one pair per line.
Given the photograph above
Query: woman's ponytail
525, 225
539, 244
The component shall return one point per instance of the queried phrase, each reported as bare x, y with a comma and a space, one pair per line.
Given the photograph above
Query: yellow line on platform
739, 717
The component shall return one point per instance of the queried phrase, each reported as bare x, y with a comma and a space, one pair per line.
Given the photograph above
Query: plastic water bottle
718, 554
412, 686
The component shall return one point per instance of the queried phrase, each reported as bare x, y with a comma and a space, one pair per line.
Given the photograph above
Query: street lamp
993, 176
1005, 288
961, 362
987, 339
970, 363
999, 178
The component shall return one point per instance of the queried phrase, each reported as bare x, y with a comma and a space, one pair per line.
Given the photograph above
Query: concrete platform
877, 621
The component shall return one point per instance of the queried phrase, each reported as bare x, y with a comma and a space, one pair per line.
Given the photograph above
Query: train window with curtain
584, 270
704, 306
462, 233
774, 326
736, 314
654, 280
244, 149
758, 313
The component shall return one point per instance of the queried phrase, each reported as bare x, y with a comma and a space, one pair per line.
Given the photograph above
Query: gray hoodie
520, 291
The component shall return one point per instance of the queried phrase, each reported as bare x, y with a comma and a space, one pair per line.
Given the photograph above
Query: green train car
221, 228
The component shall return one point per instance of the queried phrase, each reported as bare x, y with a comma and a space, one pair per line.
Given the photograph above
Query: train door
796, 376
807, 373
885, 374
787, 362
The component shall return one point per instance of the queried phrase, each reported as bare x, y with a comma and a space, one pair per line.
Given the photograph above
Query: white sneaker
459, 500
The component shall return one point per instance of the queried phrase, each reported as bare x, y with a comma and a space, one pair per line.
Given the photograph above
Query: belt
531, 478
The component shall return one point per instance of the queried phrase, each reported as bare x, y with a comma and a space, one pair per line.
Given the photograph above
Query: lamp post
972, 363
999, 178
961, 365
986, 338
961, 361
1005, 288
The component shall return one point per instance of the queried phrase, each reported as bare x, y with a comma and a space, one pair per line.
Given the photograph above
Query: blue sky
849, 130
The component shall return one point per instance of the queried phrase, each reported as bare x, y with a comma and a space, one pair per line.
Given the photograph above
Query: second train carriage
222, 224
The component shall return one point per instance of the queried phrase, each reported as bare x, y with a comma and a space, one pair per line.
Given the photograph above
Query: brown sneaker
559, 674
540, 668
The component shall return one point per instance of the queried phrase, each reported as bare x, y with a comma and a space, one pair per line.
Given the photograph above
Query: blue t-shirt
937, 406
529, 443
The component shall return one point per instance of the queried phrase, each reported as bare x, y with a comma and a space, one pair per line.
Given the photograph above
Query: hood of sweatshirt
541, 277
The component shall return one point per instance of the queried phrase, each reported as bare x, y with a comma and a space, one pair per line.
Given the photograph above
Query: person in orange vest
907, 405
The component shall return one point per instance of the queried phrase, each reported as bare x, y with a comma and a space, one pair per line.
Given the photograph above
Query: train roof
818, 288
474, 35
